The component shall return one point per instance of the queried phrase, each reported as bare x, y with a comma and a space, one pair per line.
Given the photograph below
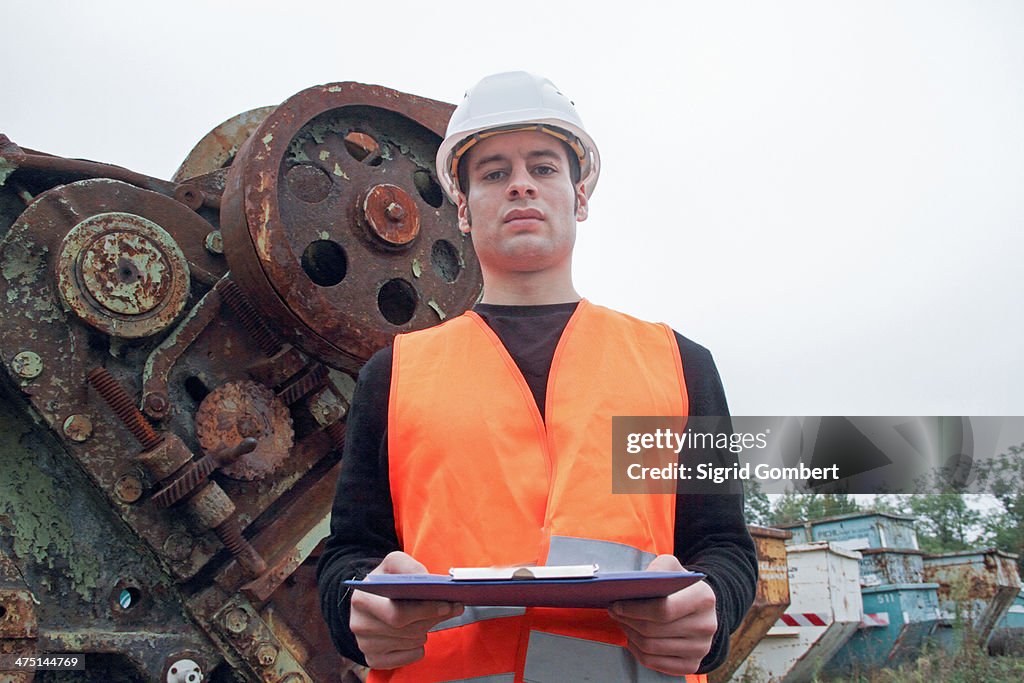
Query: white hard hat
513, 101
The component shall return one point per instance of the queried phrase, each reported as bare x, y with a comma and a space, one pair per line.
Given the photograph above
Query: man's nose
520, 183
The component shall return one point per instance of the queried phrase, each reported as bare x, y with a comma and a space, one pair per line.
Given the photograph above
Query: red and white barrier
805, 619
875, 620
813, 619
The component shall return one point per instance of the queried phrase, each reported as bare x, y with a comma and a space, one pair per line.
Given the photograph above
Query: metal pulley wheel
123, 274
115, 263
336, 228
218, 148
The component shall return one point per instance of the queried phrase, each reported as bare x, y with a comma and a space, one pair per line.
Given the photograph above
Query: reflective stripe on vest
478, 478
472, 615
610, 557
556, 659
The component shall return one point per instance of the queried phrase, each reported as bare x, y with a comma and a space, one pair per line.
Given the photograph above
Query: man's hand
391, 633
670, 634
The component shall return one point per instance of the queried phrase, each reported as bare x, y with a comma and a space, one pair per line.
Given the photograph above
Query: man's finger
654, 609
665, 647
400, 614
383, 644
675, 666
693, 600
665, 563
398, 562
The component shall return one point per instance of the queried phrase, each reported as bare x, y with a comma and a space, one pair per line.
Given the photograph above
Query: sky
827, 195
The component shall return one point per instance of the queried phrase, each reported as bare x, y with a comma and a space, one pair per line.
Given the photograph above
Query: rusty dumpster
770, 602
1008, 636
976, 589
858, 530
899, 620
887, 566
824, 612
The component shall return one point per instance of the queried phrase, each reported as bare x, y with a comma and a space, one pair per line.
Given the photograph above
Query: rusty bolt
192, 197
214, 242
165, 458
123, 406
236, 620
178, 546
128, 488
78, 427
27, 365
230, 534
156, 403
232, 295
395, 212
197, 472
391, 215
266, 654
210, 506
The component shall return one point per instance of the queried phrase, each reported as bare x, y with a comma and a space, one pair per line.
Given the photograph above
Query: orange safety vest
478, 478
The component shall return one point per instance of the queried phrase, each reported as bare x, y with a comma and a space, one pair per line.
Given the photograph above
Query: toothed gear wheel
237, 410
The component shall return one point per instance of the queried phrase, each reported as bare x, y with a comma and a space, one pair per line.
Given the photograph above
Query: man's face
522, 207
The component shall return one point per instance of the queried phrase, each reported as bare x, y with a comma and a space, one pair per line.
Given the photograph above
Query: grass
968, 664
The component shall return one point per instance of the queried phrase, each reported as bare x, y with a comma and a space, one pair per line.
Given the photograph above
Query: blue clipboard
599, 591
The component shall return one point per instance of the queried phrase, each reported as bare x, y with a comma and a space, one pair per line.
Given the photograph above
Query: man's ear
582, 205
465, 221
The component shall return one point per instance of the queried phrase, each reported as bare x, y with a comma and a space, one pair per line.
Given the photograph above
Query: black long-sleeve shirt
710, 532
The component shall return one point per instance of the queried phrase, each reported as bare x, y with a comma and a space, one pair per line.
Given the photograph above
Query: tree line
946, 519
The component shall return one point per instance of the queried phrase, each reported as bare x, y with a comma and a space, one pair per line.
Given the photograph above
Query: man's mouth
524, 214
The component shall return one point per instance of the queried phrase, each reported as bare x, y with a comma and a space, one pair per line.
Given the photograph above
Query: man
485, 441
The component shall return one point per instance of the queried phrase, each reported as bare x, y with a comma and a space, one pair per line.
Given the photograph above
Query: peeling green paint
437, 309
319, 130
296, 152
47, 311
7, 167
36, 508
417, 269
324, 155
339, 172
19, 264
24, 267
267, 140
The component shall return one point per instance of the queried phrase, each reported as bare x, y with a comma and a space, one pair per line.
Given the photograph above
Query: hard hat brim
454, 147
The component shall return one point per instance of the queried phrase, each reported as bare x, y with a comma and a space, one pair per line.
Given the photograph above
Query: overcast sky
828, 195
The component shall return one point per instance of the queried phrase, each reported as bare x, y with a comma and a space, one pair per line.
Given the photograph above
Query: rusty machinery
178, 362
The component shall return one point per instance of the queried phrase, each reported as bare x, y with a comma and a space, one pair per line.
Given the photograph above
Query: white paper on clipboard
571, 571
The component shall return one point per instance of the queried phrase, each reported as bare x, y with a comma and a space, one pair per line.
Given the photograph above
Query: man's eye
494, 175
544, 170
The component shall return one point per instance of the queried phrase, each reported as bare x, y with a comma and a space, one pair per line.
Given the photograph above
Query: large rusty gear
238, 410
335, 227
218, 148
